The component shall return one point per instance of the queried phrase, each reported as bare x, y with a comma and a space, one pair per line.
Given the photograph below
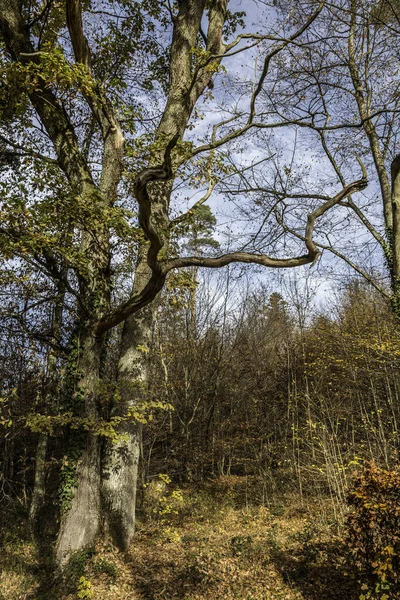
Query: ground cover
200, 545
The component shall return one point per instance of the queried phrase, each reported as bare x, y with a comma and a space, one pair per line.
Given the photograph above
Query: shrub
373, 532
85, 590
160, 501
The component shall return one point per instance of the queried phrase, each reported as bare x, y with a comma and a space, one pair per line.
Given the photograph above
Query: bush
373, 532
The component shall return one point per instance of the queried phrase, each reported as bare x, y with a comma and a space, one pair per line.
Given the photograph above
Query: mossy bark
81, 518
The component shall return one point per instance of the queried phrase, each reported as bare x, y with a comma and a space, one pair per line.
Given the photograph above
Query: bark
80, 523
395, 241
121, 458
39, 488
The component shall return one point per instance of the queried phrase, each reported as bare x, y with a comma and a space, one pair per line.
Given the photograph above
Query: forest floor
200, 546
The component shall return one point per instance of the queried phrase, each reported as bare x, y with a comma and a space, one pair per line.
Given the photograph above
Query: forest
199, 299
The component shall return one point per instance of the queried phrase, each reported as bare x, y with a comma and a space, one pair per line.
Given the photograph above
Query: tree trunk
81, 524
80, 489
121, 458
120, 464
50, 399
39, 488
395, 238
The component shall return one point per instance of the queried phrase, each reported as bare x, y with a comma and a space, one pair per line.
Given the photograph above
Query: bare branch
196, 205
273, 53
243, 257
321, 210
356, 268
287, 123
26, 151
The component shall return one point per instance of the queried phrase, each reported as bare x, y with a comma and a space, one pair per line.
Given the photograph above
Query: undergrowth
213, 547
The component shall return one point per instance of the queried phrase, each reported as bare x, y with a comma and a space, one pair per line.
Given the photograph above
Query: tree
80, 150
339, 91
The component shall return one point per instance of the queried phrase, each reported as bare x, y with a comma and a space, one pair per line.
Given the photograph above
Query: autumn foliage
374, 532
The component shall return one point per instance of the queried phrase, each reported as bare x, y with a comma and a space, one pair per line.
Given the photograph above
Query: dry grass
212, 549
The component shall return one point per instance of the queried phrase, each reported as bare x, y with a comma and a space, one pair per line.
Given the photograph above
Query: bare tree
338, 90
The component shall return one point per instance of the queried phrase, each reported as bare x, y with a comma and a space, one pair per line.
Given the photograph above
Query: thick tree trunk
81, 520
81, 524
119, 486
120, 463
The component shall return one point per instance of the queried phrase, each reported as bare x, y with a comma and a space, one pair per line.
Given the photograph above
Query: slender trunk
192, 305
50, 395
368, 126
39, 488
395, 241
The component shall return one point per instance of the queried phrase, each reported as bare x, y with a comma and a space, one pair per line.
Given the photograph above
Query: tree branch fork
161, 267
